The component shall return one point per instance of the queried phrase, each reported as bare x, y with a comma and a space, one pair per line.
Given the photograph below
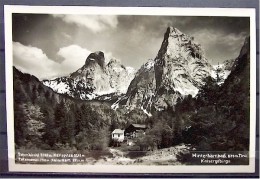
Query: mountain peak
114, 61
96, 57
173, 30
178, 70
246, 46
176, 45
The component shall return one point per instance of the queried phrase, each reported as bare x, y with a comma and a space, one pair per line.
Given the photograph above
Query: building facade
135, 130
118, 135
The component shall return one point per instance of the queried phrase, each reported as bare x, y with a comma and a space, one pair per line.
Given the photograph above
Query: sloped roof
139, 126
118, 131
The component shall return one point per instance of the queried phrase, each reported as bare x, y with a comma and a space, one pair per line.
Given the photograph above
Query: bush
184, 157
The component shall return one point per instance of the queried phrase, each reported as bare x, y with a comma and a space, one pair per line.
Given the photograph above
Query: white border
232, 12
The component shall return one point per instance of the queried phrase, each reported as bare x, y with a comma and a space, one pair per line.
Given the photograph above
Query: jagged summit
176, 42
94, 78
244, 51
178, 70
115, 63
114, 60
173, 30
180, 52
246, 47
96, 57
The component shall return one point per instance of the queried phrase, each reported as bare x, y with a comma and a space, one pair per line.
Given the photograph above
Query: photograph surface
130, 89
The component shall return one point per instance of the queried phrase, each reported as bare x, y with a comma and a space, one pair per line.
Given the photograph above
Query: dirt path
118, 158
116, 153
165, 156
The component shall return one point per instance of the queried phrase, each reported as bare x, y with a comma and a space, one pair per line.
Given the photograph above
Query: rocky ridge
177, 71
94, 78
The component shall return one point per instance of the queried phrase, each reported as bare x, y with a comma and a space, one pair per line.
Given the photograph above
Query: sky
50, 46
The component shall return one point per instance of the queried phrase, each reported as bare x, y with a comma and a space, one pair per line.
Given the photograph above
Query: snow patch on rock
94, 79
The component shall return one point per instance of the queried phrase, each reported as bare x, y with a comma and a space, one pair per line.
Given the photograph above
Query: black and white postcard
130, 89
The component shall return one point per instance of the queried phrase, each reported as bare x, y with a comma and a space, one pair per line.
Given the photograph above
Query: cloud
33, 60
73, 56
108, 56
219, 45
95, 23
67, 36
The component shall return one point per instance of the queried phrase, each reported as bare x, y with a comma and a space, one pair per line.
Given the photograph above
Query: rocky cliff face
177, 71
94, 78
142, 89
228, 64
119, 75
221, 71
221, 119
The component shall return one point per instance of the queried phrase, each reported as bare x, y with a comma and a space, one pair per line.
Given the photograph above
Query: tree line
44, 119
